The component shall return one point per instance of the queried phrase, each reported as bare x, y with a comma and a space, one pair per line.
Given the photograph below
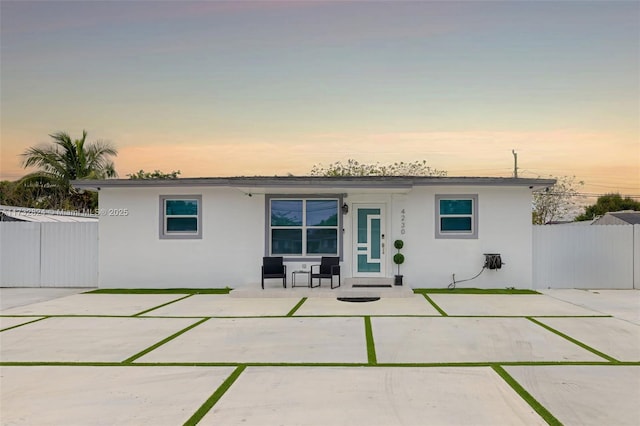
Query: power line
590, 194
613, 186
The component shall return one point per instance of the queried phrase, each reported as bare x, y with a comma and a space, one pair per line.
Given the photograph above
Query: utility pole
515, 163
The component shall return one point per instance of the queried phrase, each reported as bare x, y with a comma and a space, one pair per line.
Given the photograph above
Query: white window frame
473, 233
188, 235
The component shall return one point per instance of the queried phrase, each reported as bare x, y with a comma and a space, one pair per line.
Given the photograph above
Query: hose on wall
491, 261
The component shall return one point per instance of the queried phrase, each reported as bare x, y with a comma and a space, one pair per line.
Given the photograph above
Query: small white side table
301, 272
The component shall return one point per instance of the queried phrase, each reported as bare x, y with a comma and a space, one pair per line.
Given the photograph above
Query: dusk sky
268, 88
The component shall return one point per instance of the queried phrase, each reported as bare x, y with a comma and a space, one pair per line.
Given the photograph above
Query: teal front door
369, 243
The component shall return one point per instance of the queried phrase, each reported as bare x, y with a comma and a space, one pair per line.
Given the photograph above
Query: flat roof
391, 182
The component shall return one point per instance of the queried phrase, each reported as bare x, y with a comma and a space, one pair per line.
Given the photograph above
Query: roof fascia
315, 182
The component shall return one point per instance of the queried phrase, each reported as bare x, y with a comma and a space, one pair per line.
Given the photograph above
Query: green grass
316, 364
160, 291
371, 346
435, 306
162, 342
24, 323
517, 387
473, 291
295, 308
572, 340
164, 304
215, 397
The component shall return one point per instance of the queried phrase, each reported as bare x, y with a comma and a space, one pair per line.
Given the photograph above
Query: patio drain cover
358, 299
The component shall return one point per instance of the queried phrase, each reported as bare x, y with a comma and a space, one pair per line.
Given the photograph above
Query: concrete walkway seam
371, 346
162, 342
435, 306
160, 306
24, 323
575, 341
520, 390
295, 308
215, 397
317, 364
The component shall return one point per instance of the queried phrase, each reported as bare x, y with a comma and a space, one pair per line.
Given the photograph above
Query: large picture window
456, 216
301, 227
180, 216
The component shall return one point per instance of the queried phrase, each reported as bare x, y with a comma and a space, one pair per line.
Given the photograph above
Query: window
456, 216
301, 227
180, 216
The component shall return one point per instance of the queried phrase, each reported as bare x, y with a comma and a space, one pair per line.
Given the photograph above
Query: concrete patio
165, 359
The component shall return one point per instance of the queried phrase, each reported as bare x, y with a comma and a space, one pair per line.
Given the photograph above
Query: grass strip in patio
314, 364
163, 341
215, 397
473, 291
527, 316
160, 306
225, 290
435, 306
504, 364
517, 387
367, 364
371, 346
24, 323
295, 308
574, 341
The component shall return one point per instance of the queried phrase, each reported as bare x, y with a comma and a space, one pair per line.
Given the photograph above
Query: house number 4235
403, 227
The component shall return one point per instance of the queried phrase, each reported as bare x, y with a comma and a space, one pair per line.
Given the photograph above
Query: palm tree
63, 162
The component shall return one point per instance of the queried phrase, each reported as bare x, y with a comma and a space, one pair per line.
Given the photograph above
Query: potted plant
398, 259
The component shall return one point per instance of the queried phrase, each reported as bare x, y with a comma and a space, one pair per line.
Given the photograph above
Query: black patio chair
273, 267
328, 268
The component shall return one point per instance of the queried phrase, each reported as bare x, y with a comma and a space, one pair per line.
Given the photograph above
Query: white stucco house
213, 232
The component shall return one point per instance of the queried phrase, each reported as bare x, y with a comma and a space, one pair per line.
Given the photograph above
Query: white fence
588, 257
48, 254
66, 255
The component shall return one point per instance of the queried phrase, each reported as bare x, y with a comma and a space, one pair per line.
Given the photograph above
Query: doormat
372, 286
358, 299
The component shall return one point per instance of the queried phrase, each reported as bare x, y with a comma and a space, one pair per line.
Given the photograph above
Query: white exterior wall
504, 227
233, 239
229, 253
